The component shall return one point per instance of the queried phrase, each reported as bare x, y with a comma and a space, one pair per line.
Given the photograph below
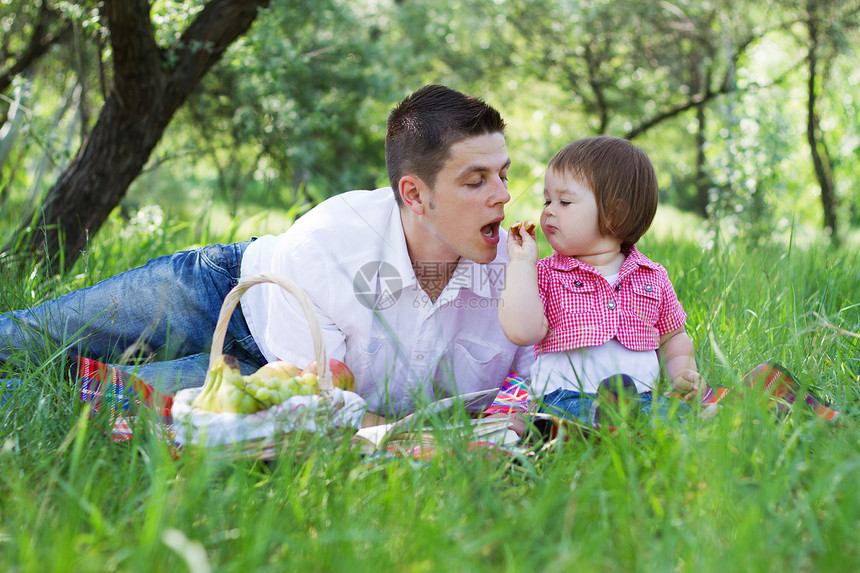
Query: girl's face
569, 218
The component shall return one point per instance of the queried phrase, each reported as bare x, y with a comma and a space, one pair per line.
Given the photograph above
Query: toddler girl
601, 315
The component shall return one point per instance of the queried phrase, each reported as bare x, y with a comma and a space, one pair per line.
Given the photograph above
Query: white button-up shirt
349, 255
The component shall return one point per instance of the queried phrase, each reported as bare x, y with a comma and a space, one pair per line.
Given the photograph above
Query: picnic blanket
124, 394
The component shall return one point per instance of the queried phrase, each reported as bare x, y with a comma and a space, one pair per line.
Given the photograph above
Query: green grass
745, 492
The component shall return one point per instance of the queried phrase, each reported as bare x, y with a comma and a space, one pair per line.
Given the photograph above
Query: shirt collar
637, 259
634, 260
395, 245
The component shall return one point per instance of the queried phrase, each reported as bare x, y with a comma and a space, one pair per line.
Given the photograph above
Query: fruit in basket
223, 389
281, 369
341, 375
226, 390
309, 383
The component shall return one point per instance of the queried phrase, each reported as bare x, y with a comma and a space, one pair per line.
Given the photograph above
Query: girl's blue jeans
169, 307
581, 406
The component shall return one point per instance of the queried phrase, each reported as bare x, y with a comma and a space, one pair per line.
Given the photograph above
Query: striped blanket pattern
105, 386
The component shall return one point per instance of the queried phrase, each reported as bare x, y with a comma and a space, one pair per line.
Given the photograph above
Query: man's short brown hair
424, 126
622, 179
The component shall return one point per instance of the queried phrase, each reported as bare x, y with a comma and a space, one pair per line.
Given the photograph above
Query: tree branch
695, 100
40, 41
203, 43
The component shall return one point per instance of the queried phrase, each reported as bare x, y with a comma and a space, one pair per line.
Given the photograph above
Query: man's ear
412, 191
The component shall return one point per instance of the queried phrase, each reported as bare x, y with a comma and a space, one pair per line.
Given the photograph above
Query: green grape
309, 378
284, 388
307, 390
263, 394
275, 397
294, 386
248, 404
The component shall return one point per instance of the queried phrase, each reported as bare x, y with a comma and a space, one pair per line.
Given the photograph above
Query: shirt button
617, 288
419, 357
610, 305
577, 284
648, 288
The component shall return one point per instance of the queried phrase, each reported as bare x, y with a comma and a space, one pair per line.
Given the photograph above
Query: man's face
467, 203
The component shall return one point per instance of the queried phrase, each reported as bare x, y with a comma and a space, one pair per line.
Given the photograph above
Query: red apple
341, 375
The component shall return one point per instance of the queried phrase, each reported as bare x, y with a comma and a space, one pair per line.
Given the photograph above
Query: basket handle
232, 299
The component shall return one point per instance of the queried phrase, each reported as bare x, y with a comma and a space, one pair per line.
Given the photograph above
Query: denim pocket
224, 259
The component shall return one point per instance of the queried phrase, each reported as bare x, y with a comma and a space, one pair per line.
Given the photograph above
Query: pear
280, 369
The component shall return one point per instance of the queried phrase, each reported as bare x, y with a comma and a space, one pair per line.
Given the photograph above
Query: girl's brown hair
622, 179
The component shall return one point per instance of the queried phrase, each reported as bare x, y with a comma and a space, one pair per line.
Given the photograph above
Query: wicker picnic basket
319, 413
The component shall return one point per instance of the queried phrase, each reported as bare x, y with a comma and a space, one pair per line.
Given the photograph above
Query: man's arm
288, 332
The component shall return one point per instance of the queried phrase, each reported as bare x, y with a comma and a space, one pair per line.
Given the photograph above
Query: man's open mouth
491, 230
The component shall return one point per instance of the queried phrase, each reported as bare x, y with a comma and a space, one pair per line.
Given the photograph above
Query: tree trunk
700, 85
820, 157
145, 94
597, 89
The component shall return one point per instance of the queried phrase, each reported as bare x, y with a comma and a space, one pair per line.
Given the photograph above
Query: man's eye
565, 202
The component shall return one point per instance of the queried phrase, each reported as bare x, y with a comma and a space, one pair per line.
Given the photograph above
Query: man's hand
516, 421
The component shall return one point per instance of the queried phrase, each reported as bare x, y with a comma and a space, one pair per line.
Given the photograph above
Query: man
405, 280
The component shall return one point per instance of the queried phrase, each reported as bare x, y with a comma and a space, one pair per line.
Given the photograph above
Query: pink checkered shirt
584, 310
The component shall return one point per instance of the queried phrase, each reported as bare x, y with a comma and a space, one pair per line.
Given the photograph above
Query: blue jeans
581, 406
168, 307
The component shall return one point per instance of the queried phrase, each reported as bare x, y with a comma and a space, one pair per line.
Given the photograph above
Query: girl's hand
688, 384
695, 388
521, 242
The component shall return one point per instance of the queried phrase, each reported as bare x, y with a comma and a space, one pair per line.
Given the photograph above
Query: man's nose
500, 191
